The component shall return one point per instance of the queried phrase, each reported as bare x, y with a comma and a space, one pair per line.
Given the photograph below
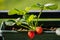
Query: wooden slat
54, 19
45, 14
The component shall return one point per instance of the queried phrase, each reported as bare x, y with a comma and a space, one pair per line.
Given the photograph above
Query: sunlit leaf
24, 12
38, 6
21, 12
12, 12
35, 6
51, 6
30, 18
27, 9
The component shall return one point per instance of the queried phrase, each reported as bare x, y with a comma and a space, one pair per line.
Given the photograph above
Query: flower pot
22, 35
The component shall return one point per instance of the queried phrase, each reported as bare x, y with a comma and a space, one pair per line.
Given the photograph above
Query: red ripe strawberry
31, 34
39, 30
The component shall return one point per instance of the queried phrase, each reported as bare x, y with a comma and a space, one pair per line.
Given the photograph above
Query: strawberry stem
25, 26
38, 17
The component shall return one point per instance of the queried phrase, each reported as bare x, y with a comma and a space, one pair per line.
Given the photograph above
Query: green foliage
28, 20
27, 9
51, 6
19, 12
12, 12
16, 11
47, 6
10, 22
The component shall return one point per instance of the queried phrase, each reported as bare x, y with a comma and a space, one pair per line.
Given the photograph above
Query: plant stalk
25, 26
38, 17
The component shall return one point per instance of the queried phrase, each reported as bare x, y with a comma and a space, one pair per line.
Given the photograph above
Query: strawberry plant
27, 20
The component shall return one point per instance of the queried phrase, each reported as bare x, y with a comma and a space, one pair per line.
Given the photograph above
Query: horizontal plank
24, 31
35, 11
45, 14
57, 19
45, 11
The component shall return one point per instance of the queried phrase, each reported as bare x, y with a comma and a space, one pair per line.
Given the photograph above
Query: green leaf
22, 20
21, 12
25, 23
27, 9
38, 6
35, 6
10, 22
18, 19
16, 11
30, 18
51, 6
18, 23
26, 16
12, 12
